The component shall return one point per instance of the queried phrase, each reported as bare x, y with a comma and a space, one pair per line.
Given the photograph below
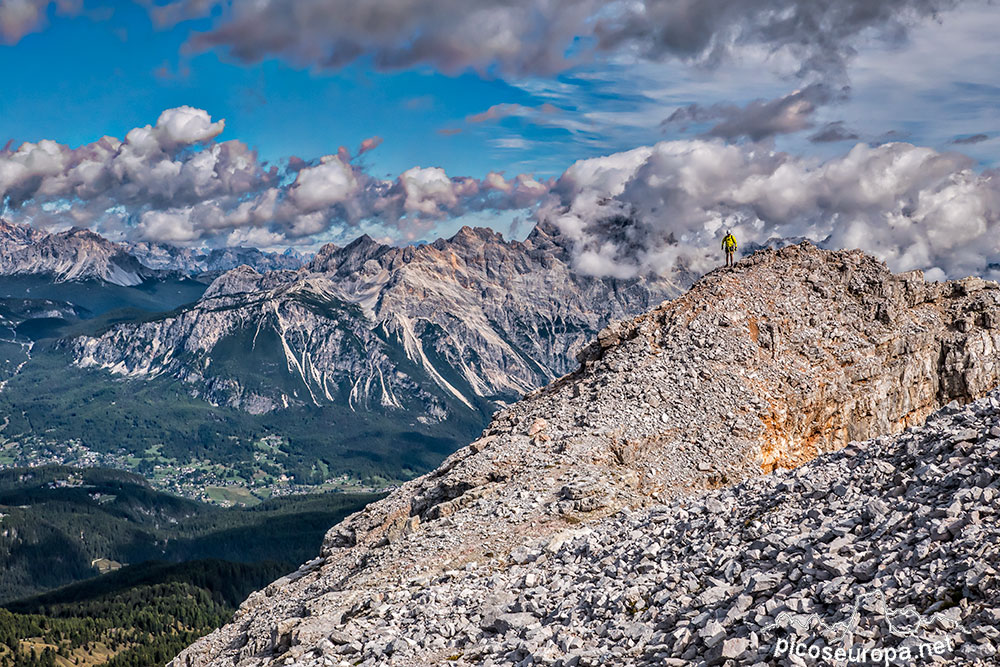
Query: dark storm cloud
819, 35
831, 132
760, 119
524, 37
974, 139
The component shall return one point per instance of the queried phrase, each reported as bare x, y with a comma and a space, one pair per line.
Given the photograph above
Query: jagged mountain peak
362, 248
83, 232
790, 355
468, 241
363, 241
73, 254
14, 233
323, 255
479, 323
475, 235
332, 258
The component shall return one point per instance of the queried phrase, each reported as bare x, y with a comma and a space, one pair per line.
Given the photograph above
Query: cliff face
76, 254
801, 351
790, 354
448, 325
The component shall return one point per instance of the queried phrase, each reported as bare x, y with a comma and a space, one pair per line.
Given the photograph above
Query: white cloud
328, 183
650, 208
256, 238
171, 163
168, 226
174, 182
186, 125
428, 191
515, 143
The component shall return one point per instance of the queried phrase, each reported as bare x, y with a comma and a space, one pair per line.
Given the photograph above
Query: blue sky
86, 76
473, 88
82, 78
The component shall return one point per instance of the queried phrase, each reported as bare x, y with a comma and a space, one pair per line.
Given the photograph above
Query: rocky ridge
193, 261
79, 255
889, 545
464, 321
72, 255
548, 541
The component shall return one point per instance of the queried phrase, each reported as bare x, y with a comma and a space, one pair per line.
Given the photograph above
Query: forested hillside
136, 617
60, 525
174, 569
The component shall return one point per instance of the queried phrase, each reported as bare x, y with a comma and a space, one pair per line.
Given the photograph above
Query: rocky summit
73, 255
645, 510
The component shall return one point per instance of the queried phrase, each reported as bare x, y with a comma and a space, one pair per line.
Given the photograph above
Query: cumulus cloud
320, 187
175, 182
183, 126
168, 226
170, 162
666, 206
759, 119
423, 196
523, 37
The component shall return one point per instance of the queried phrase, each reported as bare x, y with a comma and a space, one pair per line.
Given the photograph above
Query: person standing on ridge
729, 245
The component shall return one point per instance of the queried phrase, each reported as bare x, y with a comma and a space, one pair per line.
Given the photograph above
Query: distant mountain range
81, 255
367, 358
73, 255
163, 257
378, 328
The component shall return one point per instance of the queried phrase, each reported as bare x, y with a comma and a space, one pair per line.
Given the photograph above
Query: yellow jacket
729, 243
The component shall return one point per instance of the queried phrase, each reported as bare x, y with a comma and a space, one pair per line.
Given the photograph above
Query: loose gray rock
757, 514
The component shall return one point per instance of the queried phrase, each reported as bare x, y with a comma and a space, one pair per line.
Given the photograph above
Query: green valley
173, 569
56, 523
136, 617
